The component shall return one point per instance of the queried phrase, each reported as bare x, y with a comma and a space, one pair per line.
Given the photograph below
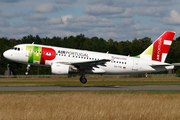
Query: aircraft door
135, 65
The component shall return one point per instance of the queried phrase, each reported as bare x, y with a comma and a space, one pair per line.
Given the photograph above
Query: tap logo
39, 55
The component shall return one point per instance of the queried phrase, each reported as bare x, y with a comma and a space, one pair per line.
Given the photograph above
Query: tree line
132, 48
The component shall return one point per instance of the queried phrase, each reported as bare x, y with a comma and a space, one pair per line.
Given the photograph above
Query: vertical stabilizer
158, 50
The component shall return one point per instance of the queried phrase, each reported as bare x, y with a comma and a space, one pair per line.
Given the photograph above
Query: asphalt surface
90, 88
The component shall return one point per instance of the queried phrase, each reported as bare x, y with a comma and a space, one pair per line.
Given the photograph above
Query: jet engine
62, 69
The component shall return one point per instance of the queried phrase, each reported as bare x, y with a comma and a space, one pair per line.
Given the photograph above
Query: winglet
158, 50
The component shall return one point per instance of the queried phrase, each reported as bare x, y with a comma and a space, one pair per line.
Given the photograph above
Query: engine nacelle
60, 69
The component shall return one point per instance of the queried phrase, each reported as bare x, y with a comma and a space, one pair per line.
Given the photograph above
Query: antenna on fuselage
33, 43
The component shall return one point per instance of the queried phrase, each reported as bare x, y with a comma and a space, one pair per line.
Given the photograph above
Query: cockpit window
15, 48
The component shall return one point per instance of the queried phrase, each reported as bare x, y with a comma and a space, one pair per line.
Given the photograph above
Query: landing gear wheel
26, 73
83, 80
27, 69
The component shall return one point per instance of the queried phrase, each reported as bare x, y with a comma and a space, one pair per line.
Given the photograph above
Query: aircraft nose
6, 54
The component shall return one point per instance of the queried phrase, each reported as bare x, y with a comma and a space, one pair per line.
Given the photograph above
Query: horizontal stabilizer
160, 64
176, 64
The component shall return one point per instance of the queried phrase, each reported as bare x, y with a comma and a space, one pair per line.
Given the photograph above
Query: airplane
64, 60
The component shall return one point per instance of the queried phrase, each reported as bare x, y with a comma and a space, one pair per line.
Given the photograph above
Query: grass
90, 106
145, 105
92, 80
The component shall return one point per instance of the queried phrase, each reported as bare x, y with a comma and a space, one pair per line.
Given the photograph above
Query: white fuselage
118, 64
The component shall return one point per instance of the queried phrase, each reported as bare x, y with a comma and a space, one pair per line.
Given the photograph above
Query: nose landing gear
27, 69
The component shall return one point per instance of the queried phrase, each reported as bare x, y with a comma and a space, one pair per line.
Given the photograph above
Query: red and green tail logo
159, 49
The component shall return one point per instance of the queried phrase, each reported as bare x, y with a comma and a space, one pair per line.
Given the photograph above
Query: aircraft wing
91, 63
84, 64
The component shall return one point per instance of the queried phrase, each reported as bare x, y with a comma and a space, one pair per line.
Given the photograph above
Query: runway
90, 88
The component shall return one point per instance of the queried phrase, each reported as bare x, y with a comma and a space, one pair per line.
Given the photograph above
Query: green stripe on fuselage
37, 54
34, 54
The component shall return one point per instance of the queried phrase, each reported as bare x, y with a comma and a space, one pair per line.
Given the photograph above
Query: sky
119, 20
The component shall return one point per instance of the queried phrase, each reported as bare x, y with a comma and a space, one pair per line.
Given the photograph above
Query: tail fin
158, 50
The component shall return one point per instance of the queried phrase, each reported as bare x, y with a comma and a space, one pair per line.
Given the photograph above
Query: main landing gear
83, 80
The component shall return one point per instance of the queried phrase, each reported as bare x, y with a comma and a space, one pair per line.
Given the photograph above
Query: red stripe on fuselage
47, 54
